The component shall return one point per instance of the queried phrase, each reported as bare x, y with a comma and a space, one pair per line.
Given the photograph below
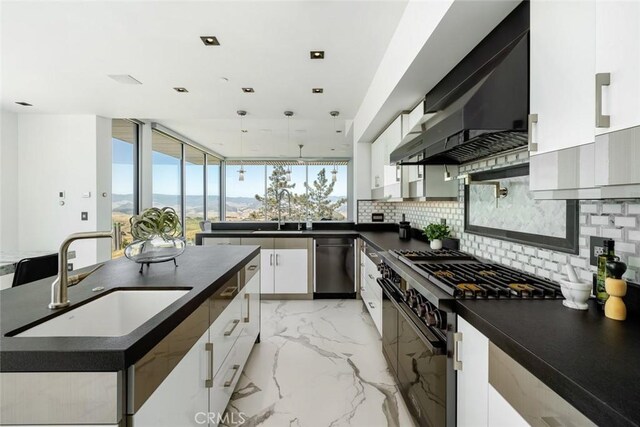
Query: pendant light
288, 114
334, 172
241, 113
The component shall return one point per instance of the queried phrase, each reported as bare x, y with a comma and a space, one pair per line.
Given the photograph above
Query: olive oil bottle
608, 255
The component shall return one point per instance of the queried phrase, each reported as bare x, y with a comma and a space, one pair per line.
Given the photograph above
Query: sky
166, 175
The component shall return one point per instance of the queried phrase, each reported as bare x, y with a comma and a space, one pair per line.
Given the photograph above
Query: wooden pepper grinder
614, 308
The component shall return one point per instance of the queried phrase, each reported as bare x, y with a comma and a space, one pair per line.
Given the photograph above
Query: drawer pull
457, 339
208, 383
235, 369
229, 292
248, 298
602, 120
252, 267
370, 276
235, 322
533, 146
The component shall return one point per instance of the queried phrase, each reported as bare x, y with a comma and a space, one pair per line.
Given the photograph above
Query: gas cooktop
464, 276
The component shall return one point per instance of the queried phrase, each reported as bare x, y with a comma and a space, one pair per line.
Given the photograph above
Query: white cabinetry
285, 264
562, 60
291, 271
584, 99
385, 179
617, 52
370, 290
473, 377
500, 413
204, 377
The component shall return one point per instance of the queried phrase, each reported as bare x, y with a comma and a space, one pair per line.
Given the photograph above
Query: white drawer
224, 382
374, 289
226, 328
374, 306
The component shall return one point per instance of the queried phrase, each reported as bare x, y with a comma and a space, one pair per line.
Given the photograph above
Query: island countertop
202, 269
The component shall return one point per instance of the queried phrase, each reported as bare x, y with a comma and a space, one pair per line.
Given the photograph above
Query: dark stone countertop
591, 361
203, 269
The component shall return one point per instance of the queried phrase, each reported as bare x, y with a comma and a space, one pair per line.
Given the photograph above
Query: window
213, 188
254, 199
327, 199
124, 183
242, 202
194, 192
167, 172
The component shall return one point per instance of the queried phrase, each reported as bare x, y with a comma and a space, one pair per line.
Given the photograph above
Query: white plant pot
436, 244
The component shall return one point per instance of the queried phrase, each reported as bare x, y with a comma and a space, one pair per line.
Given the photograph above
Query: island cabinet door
473, 376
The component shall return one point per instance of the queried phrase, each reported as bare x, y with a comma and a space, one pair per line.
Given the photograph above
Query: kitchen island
192, 351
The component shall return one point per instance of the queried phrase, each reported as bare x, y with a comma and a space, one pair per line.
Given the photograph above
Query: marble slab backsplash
615, 219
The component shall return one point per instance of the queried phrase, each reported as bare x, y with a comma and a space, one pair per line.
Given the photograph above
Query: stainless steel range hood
480, 108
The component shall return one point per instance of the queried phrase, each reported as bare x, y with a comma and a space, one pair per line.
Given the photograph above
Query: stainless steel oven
417, 355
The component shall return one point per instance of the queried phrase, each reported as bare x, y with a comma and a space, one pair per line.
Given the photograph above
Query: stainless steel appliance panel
334, 267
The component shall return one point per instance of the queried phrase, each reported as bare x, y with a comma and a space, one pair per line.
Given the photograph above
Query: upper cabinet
385, 179
617, 60
584, 99
562, 60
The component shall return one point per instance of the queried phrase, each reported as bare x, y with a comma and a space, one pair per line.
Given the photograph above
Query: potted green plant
156, 233
436, 233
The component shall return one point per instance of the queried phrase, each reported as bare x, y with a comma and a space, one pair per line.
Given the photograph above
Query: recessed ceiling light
317, 90
338, 131
210, 40
333, 149
180, 89
317, 54
124, 79
244, 131
248, 90
24, 104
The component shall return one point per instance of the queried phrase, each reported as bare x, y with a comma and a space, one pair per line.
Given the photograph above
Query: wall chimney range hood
480, 108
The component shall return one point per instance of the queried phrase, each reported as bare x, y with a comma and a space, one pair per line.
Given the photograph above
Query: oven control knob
435, 319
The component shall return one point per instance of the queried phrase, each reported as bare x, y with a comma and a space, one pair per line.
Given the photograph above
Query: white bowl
576, 294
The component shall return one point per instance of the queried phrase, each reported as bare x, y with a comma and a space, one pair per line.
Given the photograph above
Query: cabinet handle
248, 298
208, 383
602, 79
533, 146
229, 291
398, 173
457, 339
252, 267
271, 259
377, 183
277, 259
235, 369
371, 305
235, 322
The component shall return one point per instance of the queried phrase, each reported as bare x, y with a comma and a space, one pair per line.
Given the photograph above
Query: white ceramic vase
436, 244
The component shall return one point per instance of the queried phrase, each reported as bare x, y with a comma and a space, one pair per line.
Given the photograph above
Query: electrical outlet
596, 245
84, 216
443, 221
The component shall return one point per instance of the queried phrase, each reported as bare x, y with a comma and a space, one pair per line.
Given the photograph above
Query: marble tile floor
319, 364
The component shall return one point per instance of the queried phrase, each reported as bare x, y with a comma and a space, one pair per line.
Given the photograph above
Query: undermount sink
278, 232
114, 314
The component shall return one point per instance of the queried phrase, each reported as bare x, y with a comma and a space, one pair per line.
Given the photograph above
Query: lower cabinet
285, 263
473, 376
187, 380
371, 295
496, 391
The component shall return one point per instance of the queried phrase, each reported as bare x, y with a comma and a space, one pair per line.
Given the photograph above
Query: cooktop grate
434, 255
481, 280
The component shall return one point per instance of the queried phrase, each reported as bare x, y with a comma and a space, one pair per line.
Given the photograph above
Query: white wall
8, 181
62, 153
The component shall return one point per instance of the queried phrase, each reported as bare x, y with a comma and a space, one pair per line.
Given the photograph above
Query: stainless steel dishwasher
334, 268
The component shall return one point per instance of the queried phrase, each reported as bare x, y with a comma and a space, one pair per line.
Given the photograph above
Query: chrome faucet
59, 296
279, 200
